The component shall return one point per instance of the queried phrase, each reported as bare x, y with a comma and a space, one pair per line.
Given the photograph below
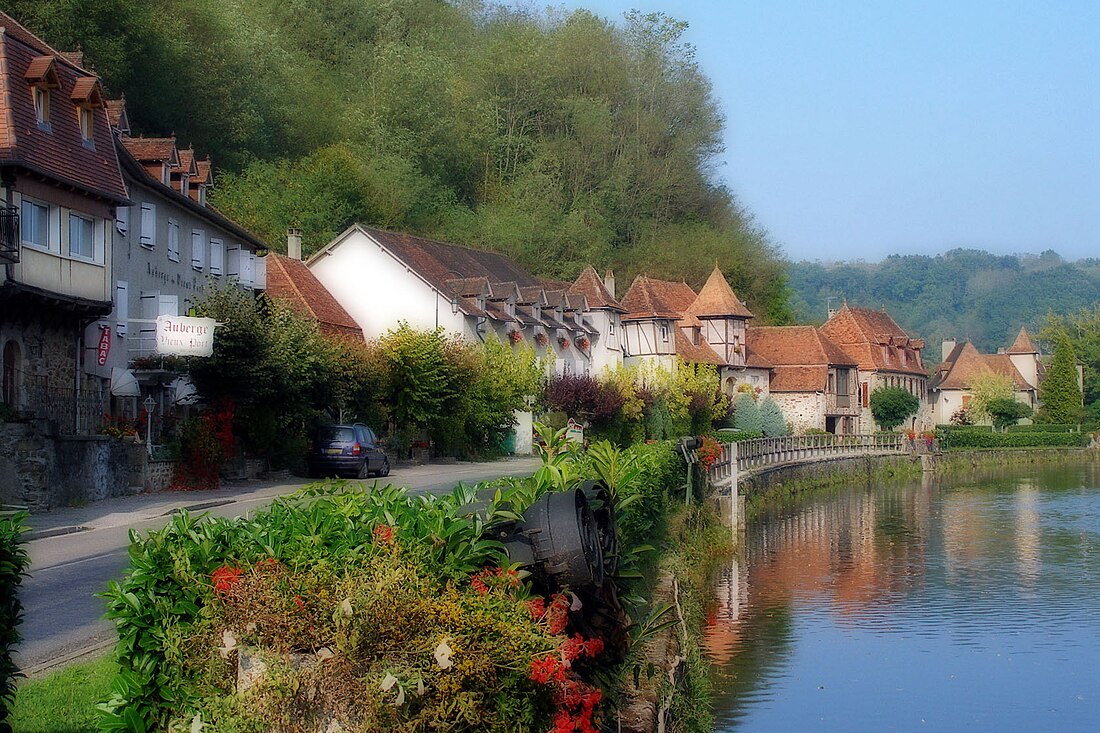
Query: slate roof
590, 284
876, 341
291, 282
1023, 344
58, 153
717, 300
801, 356
965, 364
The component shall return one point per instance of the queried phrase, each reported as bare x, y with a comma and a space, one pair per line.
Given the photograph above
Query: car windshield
335, 435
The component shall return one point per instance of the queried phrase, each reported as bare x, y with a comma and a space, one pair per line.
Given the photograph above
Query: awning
184, 392
124, 383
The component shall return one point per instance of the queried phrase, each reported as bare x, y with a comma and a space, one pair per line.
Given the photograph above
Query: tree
987, 389
772, 420
891, 406
746, 415
1060, 392
1006, 411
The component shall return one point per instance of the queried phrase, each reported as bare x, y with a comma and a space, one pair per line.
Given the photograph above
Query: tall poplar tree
1060, 392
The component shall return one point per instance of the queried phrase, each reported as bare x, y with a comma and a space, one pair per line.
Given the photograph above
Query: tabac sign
185, 336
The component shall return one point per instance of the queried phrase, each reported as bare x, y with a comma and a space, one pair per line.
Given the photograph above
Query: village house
667, 322
169, 247
814, 381
385, 278
289, 281
887, 357
61, 182
952, 380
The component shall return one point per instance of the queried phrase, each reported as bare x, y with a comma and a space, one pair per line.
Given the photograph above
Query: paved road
63, 618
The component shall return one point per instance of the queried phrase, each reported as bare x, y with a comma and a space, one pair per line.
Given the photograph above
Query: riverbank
778, 485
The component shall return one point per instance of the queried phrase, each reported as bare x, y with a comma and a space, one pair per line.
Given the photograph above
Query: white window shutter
150, 309
168, 305
122, 307
122, 219
148, 225
198, 250
248, 268
217, 257
260, 281
233, 260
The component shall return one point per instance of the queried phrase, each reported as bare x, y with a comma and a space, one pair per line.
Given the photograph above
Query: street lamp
452, 289
150, 404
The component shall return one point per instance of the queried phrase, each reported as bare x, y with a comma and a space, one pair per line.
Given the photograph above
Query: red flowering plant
582, 344
563, 342
117, 426
709, 452
206, 443
540, 339
515, 336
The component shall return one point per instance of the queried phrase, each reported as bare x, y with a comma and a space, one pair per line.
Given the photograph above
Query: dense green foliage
1060, 392
65, 700
13, 566
891, 406
1006, 411
965, 294
771, 419
1043, 428
953, 437
746, 415
554, 136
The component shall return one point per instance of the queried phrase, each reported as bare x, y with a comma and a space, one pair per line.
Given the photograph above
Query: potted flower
515, 336
540, 339
582, 343
563, 342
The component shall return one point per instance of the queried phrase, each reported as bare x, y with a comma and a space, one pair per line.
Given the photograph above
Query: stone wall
826, 471
802, 410
42, 470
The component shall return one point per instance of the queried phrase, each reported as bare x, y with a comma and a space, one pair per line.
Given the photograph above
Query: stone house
169, 247
887, 357
951, 381
385, 278
61, 183
813, 379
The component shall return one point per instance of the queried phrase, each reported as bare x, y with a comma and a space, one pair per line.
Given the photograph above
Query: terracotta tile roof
576, 302
496, 311
756, 361
206, 171
187, 162
650, 298
116, 115
717, 299
291, 282
692, 354
1023, 344
76, 58
876, 341
87, 91
799, 379
41, 69
966, 363
532, 294
152, 149
591, 286
58, 153
796, 346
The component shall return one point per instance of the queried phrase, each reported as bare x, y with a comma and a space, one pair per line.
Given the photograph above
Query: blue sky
859, 129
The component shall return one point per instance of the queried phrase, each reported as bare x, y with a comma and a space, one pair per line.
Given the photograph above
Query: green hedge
13, 566
963, 428
1043, 428
973, 439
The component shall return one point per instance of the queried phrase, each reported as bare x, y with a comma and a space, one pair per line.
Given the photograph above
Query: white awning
184, 392
124, 383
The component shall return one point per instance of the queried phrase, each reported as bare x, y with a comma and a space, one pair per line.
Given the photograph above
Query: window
35, 221
122, 307
664, 331
122, 219
233, 264
610, 326
865, 394
217, 257
148, 225
42, 106
198, 250
185, 184
81, 237
173, 241
87, 126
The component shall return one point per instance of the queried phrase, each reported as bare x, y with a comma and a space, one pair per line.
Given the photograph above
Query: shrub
891, 406
983, 439
962, 416
746, 415
1005, 411
1042, 428
13, 566
771, 419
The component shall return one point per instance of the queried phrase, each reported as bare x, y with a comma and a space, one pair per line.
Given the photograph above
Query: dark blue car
347, 450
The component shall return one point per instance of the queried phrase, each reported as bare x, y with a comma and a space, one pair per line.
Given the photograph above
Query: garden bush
746, 415
771, 419
1042, 428
955, 438
13, 566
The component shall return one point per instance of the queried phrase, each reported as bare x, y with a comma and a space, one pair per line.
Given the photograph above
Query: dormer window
185, 184
42, 106
87, 125
42, 76
88, 98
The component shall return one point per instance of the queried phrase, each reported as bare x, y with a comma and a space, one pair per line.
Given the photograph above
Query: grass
63, 702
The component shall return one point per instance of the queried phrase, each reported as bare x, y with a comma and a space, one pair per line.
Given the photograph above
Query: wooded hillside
557, 137
963, 293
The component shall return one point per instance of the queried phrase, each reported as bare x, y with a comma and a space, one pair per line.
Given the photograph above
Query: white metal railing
746, 455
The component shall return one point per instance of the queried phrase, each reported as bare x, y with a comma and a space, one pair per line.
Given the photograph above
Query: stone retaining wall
42, 470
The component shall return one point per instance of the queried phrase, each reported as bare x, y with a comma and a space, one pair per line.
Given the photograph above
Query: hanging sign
104, 349
185, 336
574, 431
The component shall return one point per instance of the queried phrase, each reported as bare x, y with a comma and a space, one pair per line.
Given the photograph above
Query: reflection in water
943, 605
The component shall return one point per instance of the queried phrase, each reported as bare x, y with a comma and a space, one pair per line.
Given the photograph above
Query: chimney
294, 243
609, 282
1001, 350
948, 346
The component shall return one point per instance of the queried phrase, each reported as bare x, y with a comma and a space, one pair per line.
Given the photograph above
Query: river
948, 604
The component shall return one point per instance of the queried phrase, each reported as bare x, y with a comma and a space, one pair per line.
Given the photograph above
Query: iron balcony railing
9, 234
74, 413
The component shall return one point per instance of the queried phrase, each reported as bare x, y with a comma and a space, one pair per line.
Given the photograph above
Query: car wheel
385, 470
364, 470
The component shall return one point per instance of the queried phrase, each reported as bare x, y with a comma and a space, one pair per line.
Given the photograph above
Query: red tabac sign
104, 346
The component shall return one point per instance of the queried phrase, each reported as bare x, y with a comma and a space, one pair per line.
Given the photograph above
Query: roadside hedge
13, 566
974, 439
1043, 428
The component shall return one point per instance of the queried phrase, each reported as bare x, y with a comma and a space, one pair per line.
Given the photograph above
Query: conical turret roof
717, 299
1023, 344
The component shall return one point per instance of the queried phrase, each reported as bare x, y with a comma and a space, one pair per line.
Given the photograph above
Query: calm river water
955, 604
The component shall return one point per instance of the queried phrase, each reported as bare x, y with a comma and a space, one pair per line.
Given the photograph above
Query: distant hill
963, 293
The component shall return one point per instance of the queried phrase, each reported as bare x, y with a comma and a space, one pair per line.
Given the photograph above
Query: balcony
9, 235
841, 404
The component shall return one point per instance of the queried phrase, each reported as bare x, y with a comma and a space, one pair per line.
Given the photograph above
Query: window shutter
217, 257
122, 307
168, 305
198, 250
173, 241
148, 225
865, 394
260, 281
150, 309
248, 268
122, 220
233, 260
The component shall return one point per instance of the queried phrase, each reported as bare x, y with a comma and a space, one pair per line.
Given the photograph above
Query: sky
855, 130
